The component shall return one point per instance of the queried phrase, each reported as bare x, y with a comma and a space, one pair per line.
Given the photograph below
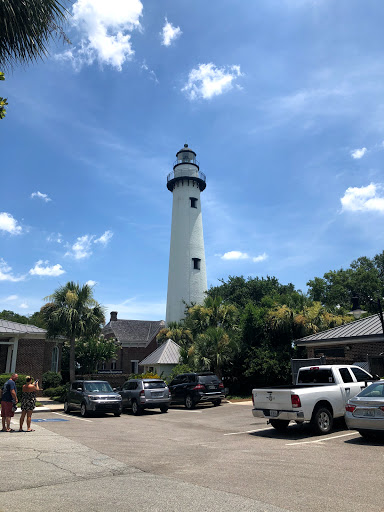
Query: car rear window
209, 379
315, 376
374, 390
155, 384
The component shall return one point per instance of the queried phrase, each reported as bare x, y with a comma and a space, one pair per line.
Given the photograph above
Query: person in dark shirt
8, 398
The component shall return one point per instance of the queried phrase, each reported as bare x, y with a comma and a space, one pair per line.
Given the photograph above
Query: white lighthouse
187, 276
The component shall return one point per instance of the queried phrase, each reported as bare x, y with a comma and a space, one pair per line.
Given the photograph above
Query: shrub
58, 393
148, 375
51, 380
180, 368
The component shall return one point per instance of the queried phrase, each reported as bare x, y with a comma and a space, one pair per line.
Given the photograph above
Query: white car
365, 411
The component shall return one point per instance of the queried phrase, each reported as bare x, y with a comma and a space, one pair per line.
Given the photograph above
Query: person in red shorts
8, 398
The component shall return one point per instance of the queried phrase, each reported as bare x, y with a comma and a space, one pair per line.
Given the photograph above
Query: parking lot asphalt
211, 458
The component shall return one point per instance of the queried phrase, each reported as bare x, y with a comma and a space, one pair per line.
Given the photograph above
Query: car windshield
154, 384
315, 376
374, 390
98, 387
208, 379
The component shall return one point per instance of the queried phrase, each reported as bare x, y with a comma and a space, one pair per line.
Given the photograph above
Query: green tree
92, 350
27, 27
213, 348
72, 312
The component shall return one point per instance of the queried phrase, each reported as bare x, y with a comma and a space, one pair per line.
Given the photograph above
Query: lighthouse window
193, 202
196, 263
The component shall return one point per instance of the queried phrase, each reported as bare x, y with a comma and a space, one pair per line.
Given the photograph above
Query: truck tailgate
278, 399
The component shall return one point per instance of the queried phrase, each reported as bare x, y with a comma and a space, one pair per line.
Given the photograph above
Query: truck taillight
295, 399
199, 386
350, 408
253, 400
221, 385
314, 368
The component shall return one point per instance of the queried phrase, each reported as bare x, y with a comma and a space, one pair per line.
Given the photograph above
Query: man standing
8, 398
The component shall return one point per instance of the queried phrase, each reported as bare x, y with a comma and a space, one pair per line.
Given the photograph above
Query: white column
14, 355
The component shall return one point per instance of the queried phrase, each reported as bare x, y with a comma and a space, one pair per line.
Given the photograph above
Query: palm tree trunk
72, 359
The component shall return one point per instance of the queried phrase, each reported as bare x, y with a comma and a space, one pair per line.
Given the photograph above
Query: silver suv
140, 394
92, 396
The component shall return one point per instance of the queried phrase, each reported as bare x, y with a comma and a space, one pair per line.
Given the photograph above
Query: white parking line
322, 439
248, 431
72, 417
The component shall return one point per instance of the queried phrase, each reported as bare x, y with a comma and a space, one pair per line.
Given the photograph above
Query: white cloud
237, 255
151, 73
9, 223
91, 283
10, 298
364, 199
105, 238
261, 257
209, 80
134, 308
170, 33
6, 273
40, 270
55, 237
42, 196
104, 27
23, 305
81, 248
358, 153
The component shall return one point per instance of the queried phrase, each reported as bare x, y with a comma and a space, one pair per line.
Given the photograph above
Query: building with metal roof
357, 341
163, 359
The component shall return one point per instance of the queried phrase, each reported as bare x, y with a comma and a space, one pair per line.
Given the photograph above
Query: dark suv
191, 388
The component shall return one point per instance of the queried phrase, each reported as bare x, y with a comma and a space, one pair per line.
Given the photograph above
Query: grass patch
238, 398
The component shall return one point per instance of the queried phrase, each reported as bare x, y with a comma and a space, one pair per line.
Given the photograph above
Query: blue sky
282, 100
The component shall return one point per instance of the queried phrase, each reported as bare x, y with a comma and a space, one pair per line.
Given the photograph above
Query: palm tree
213, 348
72, 312
213, 313
26, 28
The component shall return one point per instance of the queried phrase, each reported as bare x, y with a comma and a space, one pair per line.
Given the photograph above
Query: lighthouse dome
186, 155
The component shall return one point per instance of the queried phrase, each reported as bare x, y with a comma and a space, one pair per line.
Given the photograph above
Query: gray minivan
140, 394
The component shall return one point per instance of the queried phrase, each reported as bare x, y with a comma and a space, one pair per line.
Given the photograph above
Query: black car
192, 388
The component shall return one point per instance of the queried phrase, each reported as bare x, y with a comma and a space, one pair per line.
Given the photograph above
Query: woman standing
28, 402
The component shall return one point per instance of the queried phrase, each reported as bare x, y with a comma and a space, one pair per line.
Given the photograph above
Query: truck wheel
322, 421
279, 425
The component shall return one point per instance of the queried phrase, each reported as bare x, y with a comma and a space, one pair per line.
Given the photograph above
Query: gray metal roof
364, 328
133, 333
15, 328
167, 353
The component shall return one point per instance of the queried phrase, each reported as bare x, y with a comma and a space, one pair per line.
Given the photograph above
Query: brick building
25, 349
361, 341
136, 338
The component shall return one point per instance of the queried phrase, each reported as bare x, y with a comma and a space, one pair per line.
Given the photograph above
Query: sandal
10, 430
30, 430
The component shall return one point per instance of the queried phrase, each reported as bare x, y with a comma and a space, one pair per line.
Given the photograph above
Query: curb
39, 409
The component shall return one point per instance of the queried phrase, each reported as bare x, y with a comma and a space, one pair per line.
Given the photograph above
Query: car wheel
83, 410
164, 408
322, 421
217, 402
189, 403
67, 409
279, 425
136, 409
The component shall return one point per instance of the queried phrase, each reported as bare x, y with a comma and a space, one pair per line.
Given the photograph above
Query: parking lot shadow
296, 432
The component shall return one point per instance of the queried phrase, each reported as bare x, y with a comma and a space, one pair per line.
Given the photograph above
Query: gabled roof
16, 329
167, 353
133, 333
365, 329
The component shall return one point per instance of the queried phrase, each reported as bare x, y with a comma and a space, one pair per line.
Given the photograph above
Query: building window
196, 263
55, 360
193, 202
135, 366
113, 365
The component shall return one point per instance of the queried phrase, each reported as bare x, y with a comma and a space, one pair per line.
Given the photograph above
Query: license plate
156, 395
368, 412
273, 413
211, 387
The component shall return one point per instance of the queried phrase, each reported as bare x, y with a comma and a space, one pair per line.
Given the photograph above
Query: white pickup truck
319, 395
